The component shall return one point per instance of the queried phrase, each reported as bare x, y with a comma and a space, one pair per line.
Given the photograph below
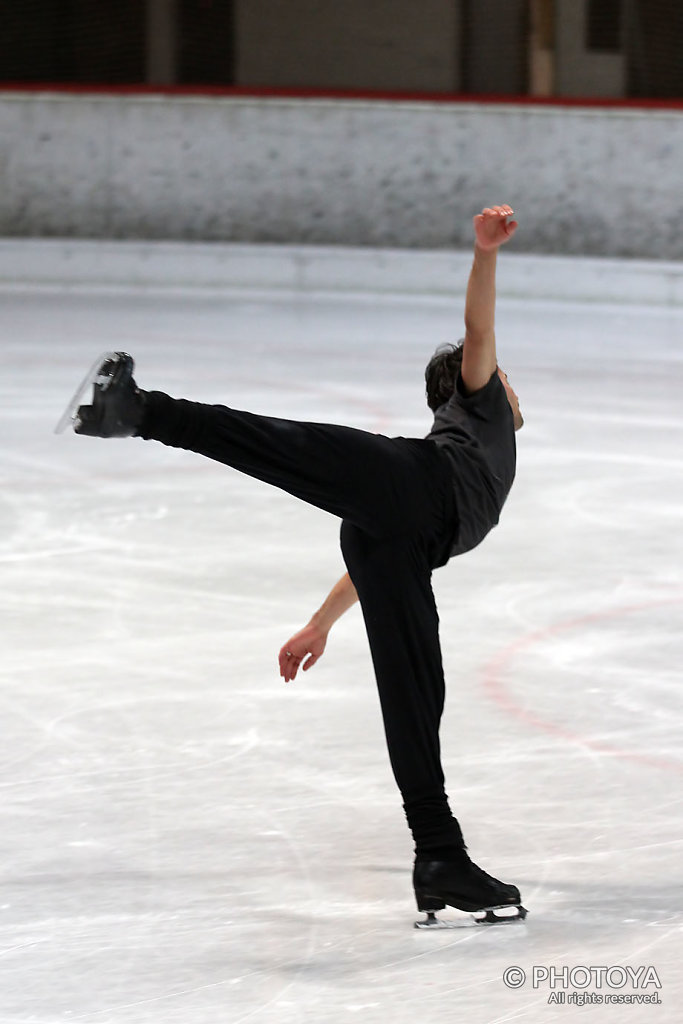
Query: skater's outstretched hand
492, 227
308, 643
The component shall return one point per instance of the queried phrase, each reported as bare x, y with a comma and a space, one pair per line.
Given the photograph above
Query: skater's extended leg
388, 486
384, 485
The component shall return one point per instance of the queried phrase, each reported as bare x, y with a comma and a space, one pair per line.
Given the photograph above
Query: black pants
394, 498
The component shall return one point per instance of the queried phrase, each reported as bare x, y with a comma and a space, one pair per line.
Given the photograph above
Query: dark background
106, 42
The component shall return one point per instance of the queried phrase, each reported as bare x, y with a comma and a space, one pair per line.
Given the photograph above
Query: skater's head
441, 377
441, 374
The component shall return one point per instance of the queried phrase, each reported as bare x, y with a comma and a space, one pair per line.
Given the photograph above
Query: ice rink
185, 839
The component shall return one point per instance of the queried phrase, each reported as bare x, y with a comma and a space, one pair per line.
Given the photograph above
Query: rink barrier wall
585, 180
162, 266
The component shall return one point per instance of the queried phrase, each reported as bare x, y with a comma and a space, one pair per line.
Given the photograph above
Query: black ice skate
461, 884
117, 403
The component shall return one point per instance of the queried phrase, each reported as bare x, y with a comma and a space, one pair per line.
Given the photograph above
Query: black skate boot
460, 883
118, 404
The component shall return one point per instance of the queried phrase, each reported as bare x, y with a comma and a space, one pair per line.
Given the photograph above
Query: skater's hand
492, 227
309, 641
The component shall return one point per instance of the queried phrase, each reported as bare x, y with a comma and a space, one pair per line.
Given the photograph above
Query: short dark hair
441, 374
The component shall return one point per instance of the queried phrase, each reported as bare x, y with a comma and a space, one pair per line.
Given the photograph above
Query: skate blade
500, 915
489, 916
92, 377
432, 923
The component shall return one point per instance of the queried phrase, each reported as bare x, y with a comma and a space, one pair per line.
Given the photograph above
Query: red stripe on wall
265, 92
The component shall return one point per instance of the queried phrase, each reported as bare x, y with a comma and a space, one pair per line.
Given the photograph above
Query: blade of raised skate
92, 377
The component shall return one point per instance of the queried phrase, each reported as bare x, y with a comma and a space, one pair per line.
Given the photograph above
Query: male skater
407, 505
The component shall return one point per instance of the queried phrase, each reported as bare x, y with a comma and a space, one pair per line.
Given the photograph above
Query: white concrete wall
583, 180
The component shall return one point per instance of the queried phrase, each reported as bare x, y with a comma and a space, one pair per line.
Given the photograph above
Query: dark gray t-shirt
477, 435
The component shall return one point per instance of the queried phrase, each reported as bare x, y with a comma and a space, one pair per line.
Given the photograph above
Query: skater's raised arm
310, 641
491, 230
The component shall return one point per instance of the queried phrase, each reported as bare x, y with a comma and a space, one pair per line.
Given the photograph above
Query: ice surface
184, 838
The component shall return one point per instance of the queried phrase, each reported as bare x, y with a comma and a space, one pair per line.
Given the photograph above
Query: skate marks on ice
228, 966
130, 883
184, 839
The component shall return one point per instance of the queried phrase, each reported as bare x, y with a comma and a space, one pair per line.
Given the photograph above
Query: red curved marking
496, 689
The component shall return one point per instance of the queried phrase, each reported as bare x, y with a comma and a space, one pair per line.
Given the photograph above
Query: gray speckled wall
583, 180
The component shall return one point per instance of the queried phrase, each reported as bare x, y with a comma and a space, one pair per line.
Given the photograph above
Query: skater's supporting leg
387, 486
393, 581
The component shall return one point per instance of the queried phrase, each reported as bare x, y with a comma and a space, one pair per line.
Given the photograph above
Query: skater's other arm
491, 230
310, 641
